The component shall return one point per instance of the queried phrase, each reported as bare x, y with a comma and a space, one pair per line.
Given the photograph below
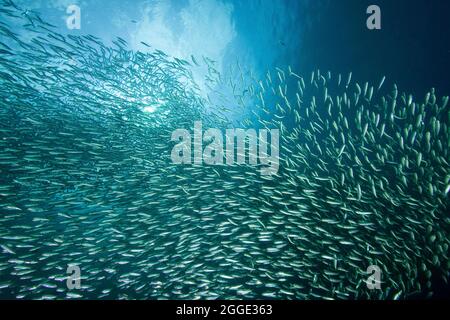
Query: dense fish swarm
86, 178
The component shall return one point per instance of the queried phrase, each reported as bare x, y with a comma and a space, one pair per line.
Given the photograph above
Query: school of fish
86, 178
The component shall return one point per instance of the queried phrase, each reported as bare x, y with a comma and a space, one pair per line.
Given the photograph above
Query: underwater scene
224, 149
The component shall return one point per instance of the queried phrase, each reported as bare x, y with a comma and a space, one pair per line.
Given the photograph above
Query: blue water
412, 48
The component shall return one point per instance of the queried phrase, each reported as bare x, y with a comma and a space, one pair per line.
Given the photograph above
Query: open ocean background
412, 48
